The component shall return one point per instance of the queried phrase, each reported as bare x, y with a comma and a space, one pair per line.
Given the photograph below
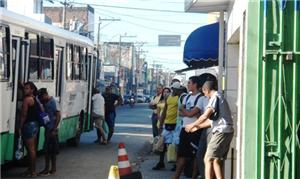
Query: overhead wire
130, 8
149, 19
148, 27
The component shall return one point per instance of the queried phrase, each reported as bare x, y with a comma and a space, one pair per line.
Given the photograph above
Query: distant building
78, 19
29, 8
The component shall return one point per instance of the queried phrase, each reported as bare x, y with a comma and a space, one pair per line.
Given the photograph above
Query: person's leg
161, 163
111, 125
179, 167
53, 164
154, 125
208, 168
31, 146
195, 169
102, 135
217, 164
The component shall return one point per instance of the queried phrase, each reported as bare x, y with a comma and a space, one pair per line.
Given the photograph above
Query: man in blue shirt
51, 131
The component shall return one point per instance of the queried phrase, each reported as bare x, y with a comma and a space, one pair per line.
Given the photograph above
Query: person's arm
152, 104
201, 122
163, 115
24, 113
120, 100
191, 113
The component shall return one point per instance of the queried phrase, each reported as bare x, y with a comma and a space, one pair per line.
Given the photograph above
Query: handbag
158, 144
171, 153
43, 117
20, 149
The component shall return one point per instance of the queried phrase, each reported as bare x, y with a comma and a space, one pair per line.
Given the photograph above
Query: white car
140, 99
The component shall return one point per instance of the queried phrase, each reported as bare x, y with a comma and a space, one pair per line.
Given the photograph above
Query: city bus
61, 61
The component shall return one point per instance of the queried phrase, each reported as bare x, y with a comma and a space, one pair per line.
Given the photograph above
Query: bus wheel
76, 140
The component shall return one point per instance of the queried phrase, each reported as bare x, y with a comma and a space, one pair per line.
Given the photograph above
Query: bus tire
75, 141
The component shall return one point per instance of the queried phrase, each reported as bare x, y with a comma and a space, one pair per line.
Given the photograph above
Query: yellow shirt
161, 106
155, 100
172, 110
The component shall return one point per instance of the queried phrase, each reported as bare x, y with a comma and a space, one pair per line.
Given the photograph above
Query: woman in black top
29, 126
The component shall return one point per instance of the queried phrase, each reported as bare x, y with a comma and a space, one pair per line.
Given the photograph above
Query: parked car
126, 99
147, 98
140, 99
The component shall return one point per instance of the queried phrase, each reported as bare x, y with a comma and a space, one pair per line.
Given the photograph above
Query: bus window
46, 59
77, 63
83, 59
69, 66
33, 57
4, 47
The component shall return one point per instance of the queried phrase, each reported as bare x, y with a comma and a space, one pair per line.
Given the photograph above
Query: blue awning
202, 47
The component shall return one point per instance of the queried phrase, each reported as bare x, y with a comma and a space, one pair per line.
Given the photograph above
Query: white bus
61, 61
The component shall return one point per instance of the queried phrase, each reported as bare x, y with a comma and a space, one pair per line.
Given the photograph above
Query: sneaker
159, 166
44, 173
174, 168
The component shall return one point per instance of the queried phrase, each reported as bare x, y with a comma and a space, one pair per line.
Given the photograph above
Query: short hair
210, 85
95, 91
42, 92
175, 80
195, 80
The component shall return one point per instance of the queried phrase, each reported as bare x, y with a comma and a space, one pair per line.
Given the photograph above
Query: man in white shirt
98, 115
191, 110
218, 116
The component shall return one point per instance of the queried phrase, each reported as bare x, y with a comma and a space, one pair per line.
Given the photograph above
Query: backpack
182, 97
196, 100
43, 117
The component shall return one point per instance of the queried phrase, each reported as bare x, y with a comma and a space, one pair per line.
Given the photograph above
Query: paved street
91, 160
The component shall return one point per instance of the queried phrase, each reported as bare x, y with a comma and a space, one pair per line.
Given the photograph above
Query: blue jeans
110, 119
154, 119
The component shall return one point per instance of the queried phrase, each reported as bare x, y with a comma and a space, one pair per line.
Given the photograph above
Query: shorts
30, 130
188, 144
219, 145
98, 121
168, 136
110, 119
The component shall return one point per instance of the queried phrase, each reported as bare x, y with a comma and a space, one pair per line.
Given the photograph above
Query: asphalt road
89, 160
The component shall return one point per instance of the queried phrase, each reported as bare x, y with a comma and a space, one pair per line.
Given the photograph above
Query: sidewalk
147, 160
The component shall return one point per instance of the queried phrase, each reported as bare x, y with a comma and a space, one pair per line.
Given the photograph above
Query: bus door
89, 64
19, 55
59, 52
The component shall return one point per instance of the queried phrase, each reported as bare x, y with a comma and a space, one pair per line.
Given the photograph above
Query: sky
146, 26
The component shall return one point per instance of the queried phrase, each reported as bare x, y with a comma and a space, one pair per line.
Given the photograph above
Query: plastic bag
158, 144
105, 127
20, 150
171, 153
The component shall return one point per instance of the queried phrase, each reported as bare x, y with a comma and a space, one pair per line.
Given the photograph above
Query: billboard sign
169, 40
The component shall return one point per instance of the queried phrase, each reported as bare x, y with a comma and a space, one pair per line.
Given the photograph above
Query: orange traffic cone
123, 162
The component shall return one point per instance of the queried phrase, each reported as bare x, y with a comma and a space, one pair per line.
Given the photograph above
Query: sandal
44, 173
26, 172
31, 175
52, 172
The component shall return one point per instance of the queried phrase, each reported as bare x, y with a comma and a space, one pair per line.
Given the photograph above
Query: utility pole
64, 13
99, 24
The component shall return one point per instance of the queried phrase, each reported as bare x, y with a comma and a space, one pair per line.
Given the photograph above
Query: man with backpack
191, 110
51, 146
218, 116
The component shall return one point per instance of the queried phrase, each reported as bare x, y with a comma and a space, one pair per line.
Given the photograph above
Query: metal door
280, 94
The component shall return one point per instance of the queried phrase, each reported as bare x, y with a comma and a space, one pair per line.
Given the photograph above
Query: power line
131, 8
149, 19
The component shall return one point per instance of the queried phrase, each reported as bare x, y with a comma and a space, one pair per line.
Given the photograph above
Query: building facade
75, 19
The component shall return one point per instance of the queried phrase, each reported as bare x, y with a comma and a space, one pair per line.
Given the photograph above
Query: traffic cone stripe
122, 152
124, 164
122, 158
